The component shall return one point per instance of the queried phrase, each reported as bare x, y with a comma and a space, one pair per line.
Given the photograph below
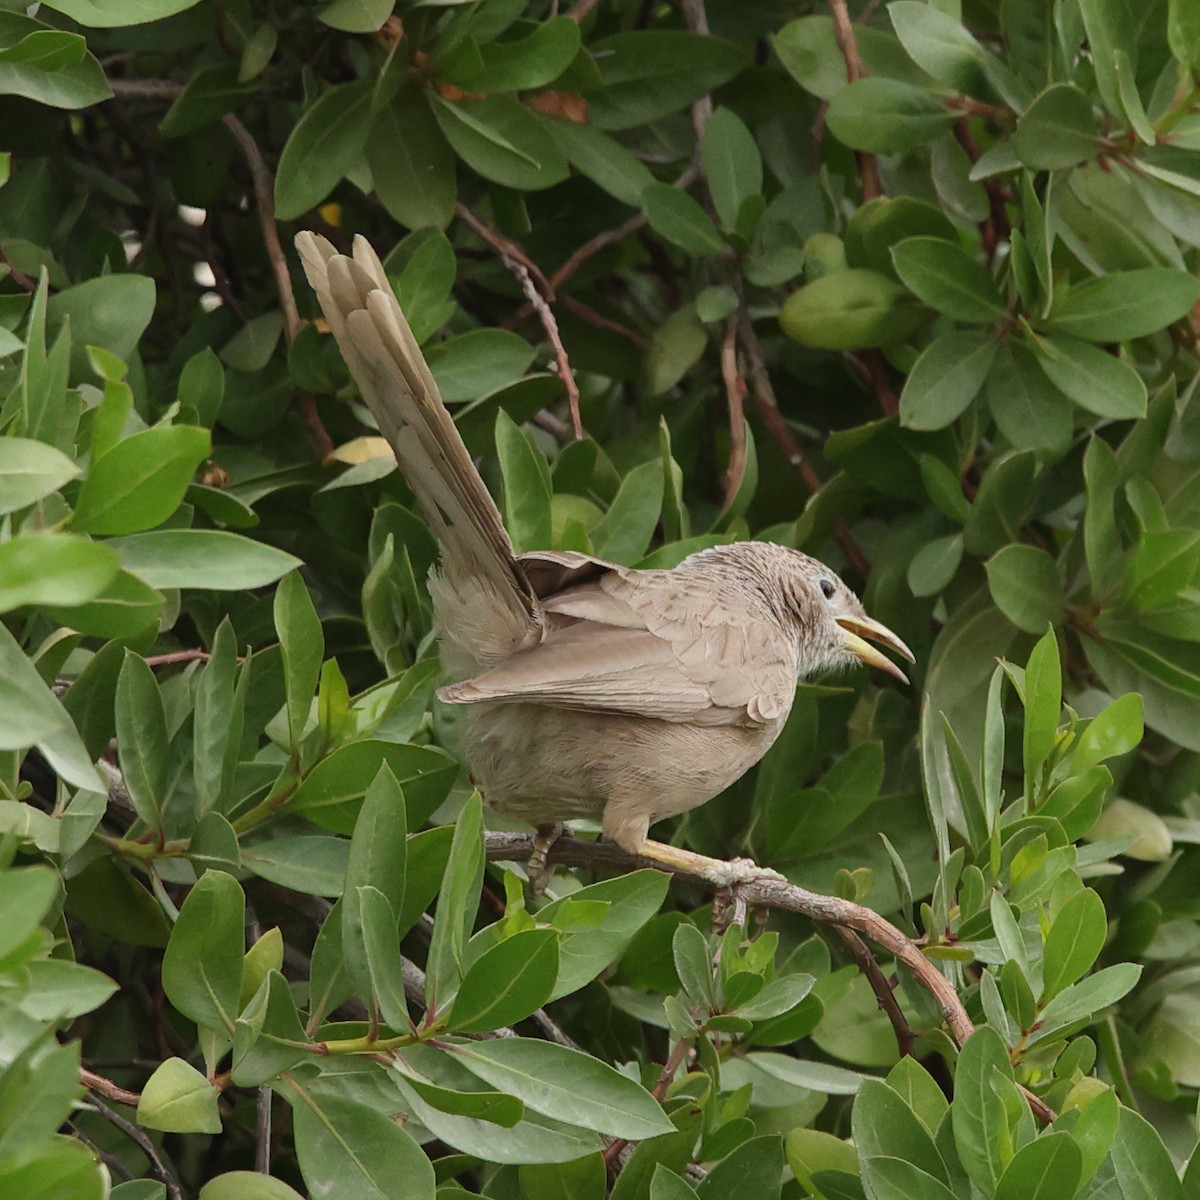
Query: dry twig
735, 397
843, 31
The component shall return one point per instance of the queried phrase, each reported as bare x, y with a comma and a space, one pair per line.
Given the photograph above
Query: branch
550, 325
735, 397
765, 891
264, 198
843, 32
880, 986
264, 193
108, 1089
131, 1131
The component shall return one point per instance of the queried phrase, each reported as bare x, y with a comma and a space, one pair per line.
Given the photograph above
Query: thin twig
873, 364
735, 397
763, 394
767, 890
108, 1089
503, 246
880, 986
585, 312
843, 32
550, 325
145, 89
262, 1132
148, 1148
17, 275
678, 1056
264, 192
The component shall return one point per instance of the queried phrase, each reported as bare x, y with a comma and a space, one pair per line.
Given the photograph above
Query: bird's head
834, 629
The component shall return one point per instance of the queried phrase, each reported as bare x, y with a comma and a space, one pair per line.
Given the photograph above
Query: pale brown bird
593, 690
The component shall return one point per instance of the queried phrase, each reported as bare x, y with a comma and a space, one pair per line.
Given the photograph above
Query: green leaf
29, 471
808, 50
940, 45
377, 862
1043, 703
530, 62
31, 715
329, 791
502, 140
886, 116
935, 565
140, 482
883, 1124
324, 145
1125, 304
733, 165
141, 726
624, 532
1088, 998
651, 73
178, 1099
72, 84
1074, 942
566, 1084
303, 644
457, 901
1045, 1169
507, 982
1058, 130
676, 345
349, 1151
474, 364
603, 159
1163, 566
1092, 378
849, 310
245, 1185
356, 16
899, 1179
110, 311
947, 278
103, 14
202, 966
977, 1114
583, 1179
754, 1171
527, 513
411, 162
53, 568
1142, 1165
201, 558
1115, 730
681, 220
210, 93
1183, 32
1029, 410
945, 379
1025, 585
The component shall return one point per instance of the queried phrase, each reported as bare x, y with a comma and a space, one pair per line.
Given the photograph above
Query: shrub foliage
910, 288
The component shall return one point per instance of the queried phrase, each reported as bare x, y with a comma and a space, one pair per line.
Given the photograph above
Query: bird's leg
538, 869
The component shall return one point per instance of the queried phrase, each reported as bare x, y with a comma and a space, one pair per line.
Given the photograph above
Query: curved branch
765, 890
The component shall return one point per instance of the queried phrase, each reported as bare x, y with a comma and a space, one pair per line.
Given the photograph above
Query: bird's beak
855, 629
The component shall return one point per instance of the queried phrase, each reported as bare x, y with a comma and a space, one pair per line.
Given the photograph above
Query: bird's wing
677, 660
390, 370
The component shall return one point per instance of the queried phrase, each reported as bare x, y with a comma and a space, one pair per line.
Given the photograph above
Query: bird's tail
483, 601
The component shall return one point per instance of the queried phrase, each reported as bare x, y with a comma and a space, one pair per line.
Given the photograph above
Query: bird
592, 690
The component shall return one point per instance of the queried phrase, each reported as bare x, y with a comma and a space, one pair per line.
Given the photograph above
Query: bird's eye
827, 588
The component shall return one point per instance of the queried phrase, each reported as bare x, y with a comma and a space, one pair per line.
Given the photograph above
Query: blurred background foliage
909, 286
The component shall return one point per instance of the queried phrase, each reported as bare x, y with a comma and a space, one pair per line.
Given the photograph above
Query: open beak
856, 629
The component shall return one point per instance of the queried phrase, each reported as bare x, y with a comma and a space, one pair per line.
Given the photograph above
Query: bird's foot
537, 869
737, 871
729, 905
